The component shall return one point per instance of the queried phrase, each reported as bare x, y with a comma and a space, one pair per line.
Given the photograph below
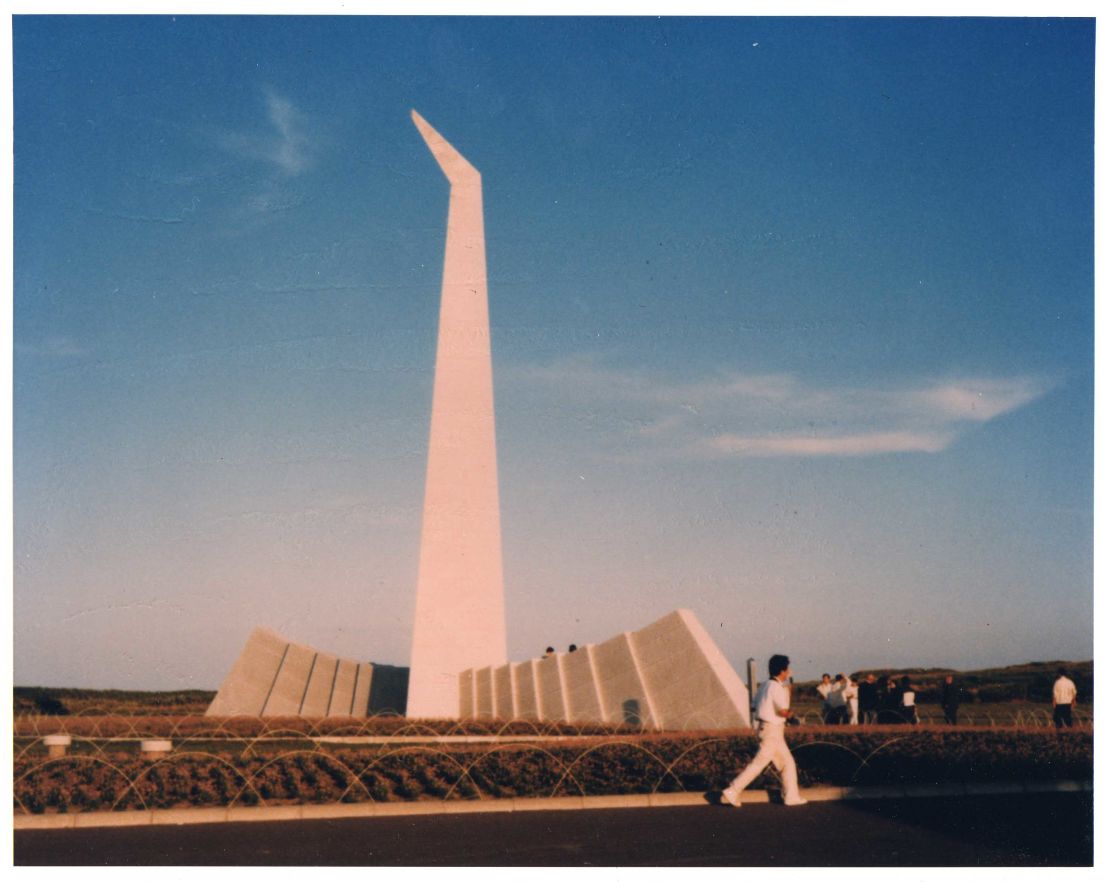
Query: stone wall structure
274, 677
670, 675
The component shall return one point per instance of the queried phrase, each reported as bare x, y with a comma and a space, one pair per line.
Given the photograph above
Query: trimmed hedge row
634, 765
251, 727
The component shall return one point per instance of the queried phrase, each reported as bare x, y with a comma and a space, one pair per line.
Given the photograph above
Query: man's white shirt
1063, 691
771, 697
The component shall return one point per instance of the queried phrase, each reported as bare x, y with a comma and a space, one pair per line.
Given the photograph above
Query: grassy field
1030, 682
999, 713
109, 702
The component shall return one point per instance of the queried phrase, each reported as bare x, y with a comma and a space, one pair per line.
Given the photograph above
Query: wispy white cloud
865, 444
589, 377
980, 400
732, 414
290, 149
286, 144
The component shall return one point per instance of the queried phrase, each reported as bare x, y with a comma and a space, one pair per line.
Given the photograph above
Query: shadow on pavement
1059, 833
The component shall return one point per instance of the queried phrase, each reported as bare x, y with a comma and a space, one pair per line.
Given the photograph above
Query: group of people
839, 700
895, 701
844, 701
550, 651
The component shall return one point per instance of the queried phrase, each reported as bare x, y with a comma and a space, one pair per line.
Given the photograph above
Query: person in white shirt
837, 702
851, 695
1063, 700
772, 707
823, 689
909, 702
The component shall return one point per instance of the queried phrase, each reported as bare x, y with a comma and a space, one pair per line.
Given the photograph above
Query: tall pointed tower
460, 602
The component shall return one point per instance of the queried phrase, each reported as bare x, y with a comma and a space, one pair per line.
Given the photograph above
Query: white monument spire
460, 604
669, 675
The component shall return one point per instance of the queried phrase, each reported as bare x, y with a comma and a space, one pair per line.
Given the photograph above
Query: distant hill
61, 701
1031, 681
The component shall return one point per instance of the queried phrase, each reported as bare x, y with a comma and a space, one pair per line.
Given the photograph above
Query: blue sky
792, 325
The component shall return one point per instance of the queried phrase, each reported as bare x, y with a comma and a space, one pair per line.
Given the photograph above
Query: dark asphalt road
1043, 830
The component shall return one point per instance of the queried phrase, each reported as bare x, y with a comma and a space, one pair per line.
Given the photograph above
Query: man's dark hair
1063, 672
777, 664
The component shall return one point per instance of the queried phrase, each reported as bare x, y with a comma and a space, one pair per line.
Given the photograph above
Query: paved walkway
179, 816
1020, 829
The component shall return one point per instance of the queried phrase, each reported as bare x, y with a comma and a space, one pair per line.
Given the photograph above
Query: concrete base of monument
275, 677
670, 675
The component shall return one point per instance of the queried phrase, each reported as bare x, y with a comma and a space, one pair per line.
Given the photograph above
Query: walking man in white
772, 707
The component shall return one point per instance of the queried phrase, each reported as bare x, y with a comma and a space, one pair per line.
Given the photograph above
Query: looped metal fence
460, 774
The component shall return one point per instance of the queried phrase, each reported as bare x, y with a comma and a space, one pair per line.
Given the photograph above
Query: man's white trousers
772, 749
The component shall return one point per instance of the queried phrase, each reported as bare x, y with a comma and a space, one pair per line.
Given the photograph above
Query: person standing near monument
909, 702
823, 689
950, 700
851, 696
1063, 700
772, 708
837, 704
869, 699
891, 710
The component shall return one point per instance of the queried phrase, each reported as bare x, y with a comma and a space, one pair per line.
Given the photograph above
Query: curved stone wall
669, 675
275, 677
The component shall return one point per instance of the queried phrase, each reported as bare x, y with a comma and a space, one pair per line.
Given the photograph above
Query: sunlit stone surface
274, 677
460, 608
669, 675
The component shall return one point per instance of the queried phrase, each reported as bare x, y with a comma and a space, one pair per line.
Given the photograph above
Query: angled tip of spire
426, 131
454, 166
